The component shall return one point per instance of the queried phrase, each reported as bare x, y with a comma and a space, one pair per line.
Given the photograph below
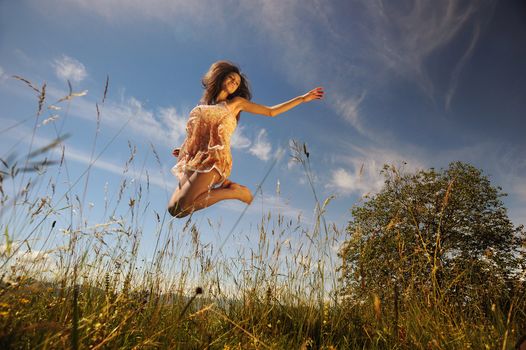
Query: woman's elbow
272, 112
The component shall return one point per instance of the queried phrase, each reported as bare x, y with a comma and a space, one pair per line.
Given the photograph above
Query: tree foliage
442, 234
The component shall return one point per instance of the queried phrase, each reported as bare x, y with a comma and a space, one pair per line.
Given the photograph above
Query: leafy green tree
444, 235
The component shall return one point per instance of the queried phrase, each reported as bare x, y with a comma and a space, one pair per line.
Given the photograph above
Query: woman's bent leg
190, 187
232, 191
197, 193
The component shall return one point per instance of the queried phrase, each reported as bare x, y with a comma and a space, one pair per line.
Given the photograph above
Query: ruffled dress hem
179, 173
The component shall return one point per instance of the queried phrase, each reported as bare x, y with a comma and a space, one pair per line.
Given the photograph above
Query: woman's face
231, 82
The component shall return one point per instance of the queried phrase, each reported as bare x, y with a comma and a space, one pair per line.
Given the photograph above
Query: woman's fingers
314, 94
317, 93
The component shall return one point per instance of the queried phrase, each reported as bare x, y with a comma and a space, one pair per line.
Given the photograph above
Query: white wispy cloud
459, 66
403, 38
3, 76
22, 257
22, 56
201, 13
348, 182
348, 108
175, 121
517, 189
68, 68
281, 205
239, 139
167, 127
291, 163
114, 166
261, 148
164, 125
264, 203
360, 180
359, 173
520, 188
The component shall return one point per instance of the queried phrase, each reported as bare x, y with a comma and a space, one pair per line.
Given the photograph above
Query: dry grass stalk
27, 82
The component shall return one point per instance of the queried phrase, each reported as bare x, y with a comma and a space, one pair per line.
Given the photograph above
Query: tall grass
69, 283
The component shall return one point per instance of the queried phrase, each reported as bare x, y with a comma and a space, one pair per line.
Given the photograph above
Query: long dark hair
213, 79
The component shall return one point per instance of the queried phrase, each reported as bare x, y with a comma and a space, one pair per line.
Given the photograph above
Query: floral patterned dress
207, 144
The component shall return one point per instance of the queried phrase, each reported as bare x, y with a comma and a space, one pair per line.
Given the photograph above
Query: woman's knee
178, 209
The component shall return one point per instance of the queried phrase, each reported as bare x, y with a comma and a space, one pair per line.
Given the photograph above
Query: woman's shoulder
236, 102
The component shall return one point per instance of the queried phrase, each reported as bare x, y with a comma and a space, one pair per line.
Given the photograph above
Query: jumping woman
204, 159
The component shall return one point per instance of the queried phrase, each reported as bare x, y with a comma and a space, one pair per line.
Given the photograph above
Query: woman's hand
314, 94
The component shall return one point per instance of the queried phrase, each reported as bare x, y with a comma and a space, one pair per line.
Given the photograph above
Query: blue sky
422, 82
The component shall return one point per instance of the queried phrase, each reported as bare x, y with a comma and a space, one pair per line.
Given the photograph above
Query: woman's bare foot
244, 193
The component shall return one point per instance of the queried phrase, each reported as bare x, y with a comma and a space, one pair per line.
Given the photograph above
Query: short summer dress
207, 144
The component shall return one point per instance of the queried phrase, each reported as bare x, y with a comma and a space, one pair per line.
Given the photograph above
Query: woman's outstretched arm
242, 104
